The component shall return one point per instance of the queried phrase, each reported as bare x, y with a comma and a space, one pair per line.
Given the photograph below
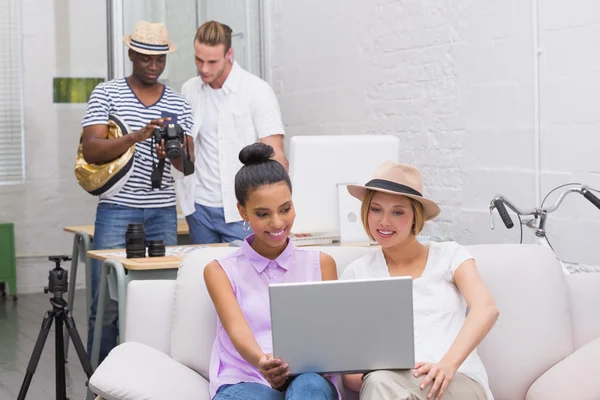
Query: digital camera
173, 135
174, 138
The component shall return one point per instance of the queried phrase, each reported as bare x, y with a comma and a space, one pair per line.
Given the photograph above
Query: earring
246, 226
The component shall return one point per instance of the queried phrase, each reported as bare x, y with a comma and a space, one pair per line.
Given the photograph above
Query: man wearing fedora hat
144, 104
232, 108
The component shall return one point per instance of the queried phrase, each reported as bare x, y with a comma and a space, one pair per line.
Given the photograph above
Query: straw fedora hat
396, 178
149, 38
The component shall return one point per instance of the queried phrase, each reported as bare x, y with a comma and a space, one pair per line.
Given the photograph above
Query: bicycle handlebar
579, 189
499, 202
591, 197
503, 213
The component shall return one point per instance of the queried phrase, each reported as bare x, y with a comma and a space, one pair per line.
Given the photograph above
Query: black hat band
392, 186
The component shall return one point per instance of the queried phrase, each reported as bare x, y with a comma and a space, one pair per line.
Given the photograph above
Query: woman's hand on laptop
441, 374
275, 371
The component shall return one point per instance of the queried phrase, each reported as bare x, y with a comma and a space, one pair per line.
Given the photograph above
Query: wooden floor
20, 324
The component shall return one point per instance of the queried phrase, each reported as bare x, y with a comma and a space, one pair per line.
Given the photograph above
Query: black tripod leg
83, 358
61, 387
35, 356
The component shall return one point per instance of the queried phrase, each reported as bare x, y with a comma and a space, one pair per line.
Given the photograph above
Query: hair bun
256, 153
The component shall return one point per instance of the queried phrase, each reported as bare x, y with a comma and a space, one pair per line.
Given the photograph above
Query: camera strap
157, 174
157, 170
188, 165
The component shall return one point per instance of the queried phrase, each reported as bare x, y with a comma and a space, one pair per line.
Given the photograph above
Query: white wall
455, 81
183, 17
61, 38
242, 17
570, 85
181, 20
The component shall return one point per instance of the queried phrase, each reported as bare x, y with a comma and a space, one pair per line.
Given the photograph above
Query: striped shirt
116, 98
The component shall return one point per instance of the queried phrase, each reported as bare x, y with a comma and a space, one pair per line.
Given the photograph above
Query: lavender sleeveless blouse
250, 275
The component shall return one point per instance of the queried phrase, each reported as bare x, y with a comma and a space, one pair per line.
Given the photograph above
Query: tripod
57, 284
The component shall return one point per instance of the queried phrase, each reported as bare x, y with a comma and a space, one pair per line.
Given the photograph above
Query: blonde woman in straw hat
445, 282
144, 104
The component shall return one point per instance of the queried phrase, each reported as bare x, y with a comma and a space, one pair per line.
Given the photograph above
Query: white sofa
545, 345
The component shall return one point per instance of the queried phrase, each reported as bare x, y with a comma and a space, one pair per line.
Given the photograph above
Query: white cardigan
249, 112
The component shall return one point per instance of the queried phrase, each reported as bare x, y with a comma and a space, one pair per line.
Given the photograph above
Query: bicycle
539, 214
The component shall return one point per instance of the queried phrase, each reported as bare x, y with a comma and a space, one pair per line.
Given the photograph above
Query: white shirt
249, 112
208, 188
439, 308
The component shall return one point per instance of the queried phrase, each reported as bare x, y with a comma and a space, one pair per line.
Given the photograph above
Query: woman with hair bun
242, 365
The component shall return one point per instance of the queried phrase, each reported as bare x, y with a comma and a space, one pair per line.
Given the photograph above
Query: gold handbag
108, 178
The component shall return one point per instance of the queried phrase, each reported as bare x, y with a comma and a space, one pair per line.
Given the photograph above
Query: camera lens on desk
156, 248
135, 241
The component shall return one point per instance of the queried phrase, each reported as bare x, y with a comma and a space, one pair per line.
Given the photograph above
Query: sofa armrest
584, 297
133, 371
149, 313
575, 377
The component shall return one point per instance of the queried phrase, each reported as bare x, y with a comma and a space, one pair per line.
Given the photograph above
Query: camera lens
135, 241
173, 149
156, 248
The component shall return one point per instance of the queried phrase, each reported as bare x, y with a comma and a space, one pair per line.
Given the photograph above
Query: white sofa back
194, 318
532, 333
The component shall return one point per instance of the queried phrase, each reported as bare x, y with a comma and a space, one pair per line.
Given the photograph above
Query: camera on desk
174, 137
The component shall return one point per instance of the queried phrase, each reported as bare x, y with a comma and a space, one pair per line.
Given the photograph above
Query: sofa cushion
151, 328
575, 377
194, 316
134, 371
344, 255
584, 295
533, 331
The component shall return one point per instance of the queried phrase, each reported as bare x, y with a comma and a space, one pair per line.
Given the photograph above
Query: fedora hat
149, 38
401, 179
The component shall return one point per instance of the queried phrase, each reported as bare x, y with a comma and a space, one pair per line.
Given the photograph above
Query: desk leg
86, 245
102, 297
121, 293
81, 245
71, 290
99, 323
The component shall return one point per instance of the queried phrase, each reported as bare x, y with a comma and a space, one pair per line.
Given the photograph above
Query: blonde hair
213, 33
417, 207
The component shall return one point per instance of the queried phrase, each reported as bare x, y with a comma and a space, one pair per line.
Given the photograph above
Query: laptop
343, 326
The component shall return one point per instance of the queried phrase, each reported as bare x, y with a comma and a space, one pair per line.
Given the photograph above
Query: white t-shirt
249, 112
438, 306
208, 189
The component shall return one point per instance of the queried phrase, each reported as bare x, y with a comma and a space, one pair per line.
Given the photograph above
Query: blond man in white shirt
232, 108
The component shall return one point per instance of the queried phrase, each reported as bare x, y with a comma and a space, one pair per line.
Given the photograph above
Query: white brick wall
570, 84
455, 81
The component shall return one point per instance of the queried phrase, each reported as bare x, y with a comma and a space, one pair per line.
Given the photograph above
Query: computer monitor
318, 164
